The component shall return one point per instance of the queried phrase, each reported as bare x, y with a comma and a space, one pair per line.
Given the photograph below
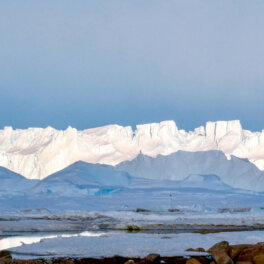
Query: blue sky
92, 63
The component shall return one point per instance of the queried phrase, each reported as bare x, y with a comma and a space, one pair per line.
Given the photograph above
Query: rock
244, 262
152, 257
221, 246
220, 253
142, 210
5, 255
193, 261
235, 250
250, 252
133, 228
222, 258
196, 249
259, 259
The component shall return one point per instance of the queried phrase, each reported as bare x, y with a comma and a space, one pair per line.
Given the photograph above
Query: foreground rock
220, 253
223, 253
5, 256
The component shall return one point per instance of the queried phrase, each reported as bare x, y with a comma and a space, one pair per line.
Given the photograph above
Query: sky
92, 63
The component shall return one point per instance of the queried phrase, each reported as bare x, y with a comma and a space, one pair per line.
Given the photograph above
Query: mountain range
182, 169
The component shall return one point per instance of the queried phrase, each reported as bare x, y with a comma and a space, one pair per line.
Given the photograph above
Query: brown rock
196, 249
69, 261
248, 253
5, 253
259, 259
5, 256
244, 262
221, 246
193, 261
222, 257
220, 253
236, 249
152, 257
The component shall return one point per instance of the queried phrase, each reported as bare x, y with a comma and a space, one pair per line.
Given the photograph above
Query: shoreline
220, 253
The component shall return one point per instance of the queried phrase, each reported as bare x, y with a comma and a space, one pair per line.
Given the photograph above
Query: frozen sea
103, 244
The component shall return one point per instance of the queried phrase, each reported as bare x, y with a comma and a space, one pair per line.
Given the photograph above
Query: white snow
38, 152
84, 187
235, 172
83, 178
12, 183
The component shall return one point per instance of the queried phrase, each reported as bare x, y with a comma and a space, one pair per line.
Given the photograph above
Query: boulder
193, 261
222, 257
152, 258
5, 255
221, 246
259, 259
220, 253
251, 252
236, 249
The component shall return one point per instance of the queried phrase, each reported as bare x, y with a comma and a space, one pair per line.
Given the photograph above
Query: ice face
38, 152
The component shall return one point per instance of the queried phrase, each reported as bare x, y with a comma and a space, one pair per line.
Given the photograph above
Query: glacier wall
38, 152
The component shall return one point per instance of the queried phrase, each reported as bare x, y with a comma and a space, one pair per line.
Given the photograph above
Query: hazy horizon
94, 63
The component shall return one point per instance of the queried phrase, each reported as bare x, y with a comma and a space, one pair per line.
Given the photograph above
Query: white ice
38, 152
138, 244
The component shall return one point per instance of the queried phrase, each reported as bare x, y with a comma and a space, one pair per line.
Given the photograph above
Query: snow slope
83, 178
236, 172
38, 152
12, 183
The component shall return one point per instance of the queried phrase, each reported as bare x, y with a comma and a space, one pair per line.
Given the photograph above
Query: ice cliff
38, 152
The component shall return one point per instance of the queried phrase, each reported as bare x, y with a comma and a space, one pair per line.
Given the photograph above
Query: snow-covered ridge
38, 152
208, 167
